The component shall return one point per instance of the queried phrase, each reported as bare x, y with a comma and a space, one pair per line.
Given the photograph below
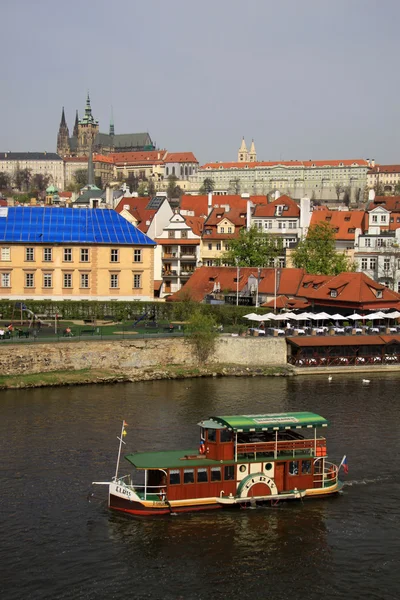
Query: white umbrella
393, 315
251, 317
323, 316
289, 315
338, 317
313, 317
376, 316
356, 317
299, 317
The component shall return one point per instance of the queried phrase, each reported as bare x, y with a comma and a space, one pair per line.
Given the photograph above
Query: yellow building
220, 228
73, 254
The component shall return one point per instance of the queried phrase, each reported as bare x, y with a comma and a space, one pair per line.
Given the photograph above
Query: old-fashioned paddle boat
241, 460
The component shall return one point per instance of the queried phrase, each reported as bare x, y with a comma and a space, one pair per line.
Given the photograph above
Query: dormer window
374, 218
341, 165
333, 293
222, 229
379, 293
328, 218
351, 230
347, 218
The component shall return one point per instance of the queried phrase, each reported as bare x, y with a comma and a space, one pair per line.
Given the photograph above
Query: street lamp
258, 283
237, 281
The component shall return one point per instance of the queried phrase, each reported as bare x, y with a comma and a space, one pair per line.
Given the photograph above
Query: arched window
166, 171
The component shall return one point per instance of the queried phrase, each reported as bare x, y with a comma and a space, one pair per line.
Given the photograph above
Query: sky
309, 79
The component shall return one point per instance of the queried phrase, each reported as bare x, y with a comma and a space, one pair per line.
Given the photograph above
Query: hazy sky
308, 79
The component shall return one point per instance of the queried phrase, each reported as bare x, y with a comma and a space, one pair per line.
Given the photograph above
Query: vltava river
54, 544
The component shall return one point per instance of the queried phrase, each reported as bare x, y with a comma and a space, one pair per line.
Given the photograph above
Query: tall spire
252, 153
88, 117
90, 167
75, 132
112, 132
63, 121
242, 154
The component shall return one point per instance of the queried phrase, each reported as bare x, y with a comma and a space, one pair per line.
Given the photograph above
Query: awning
272, 421
338, 340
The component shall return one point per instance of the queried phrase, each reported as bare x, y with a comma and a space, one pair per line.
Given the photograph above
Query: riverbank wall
122, 355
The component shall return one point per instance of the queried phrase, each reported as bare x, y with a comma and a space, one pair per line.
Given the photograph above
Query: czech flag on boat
345, 465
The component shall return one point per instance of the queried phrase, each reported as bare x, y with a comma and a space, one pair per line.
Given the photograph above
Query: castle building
86, 135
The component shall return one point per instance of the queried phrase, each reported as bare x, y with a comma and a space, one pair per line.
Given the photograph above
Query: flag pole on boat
121, 441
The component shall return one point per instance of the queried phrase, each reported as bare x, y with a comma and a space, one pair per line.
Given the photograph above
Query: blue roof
68, 225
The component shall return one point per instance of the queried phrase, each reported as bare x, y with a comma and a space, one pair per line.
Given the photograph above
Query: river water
55, 544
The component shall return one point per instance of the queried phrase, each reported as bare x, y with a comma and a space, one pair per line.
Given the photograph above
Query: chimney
371, 195
248, 214
373, 162
209, 203
305, 214
277, 194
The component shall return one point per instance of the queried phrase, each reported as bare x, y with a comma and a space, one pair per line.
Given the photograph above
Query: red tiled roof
157, 284
269, 210
103, 158
337, 340
391, 203
131, 158
235, 216
352, 289
137, 208
345, 222
385, 169
199, 204
288, 303
195, 223
180, 157
287, 163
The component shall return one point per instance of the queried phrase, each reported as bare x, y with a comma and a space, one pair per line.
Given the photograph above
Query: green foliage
22, 179
202, 334
151, 188
253, 249
5, 180
172, 190
379, 189
208, 186
142, 189
40, 182
317, 255
81, 177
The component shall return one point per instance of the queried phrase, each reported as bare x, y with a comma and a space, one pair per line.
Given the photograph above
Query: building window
380, 243
137, 281
137, 255
210, 246
67, 254
372, 263
226, 247
113, 280
5, 280
215, 473
47, 280
184, 234
218, 245
268, 224
374, 218
188, 475
174, 477
294, 467
383, 218
333, 293
202, 475
84, 280
222, 230
171, 233
306, 467
84, 255
29, 254
114, 255
229, 473
5, 254
364, 264
229, 229
29, 280
379, 293
67, 280
47, 254
386, 264
367, 242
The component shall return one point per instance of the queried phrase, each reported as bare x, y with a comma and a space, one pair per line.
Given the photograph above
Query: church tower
243, 154
63, 137
88, 129
76, 131
252, 153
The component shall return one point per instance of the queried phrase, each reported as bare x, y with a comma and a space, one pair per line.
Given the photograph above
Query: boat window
202, 475
215, 474
229, 473
212, 435
188, 475
294, 467
306, 467
175, 477
225, 436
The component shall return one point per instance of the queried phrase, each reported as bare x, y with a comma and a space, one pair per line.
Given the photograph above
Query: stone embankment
29, 365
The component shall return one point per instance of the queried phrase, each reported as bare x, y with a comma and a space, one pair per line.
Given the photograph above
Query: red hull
137, 509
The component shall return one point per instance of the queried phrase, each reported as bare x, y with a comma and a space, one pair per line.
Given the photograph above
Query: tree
151, 188
317, 255
5, 180
347, 195
173, 190
339, 190
201, 333
22, 179
379, 189
40, 182
142, 189
132, 181
81, 177
253, 249
234, 185
396, 188
208, 186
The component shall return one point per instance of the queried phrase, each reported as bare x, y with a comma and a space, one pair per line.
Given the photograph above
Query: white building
48, 164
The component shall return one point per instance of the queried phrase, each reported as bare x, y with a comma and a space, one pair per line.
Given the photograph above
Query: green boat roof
171, 459
271, 422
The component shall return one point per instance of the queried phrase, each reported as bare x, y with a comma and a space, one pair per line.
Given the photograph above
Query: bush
201, 334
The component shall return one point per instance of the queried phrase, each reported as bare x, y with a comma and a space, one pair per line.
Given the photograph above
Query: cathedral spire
88, 117
63, 136
75, 132
63, 121
112, 131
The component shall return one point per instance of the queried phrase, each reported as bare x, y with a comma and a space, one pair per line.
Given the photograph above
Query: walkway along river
55, 544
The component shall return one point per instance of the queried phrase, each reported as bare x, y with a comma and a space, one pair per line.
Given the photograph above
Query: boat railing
327, 476
286, 447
